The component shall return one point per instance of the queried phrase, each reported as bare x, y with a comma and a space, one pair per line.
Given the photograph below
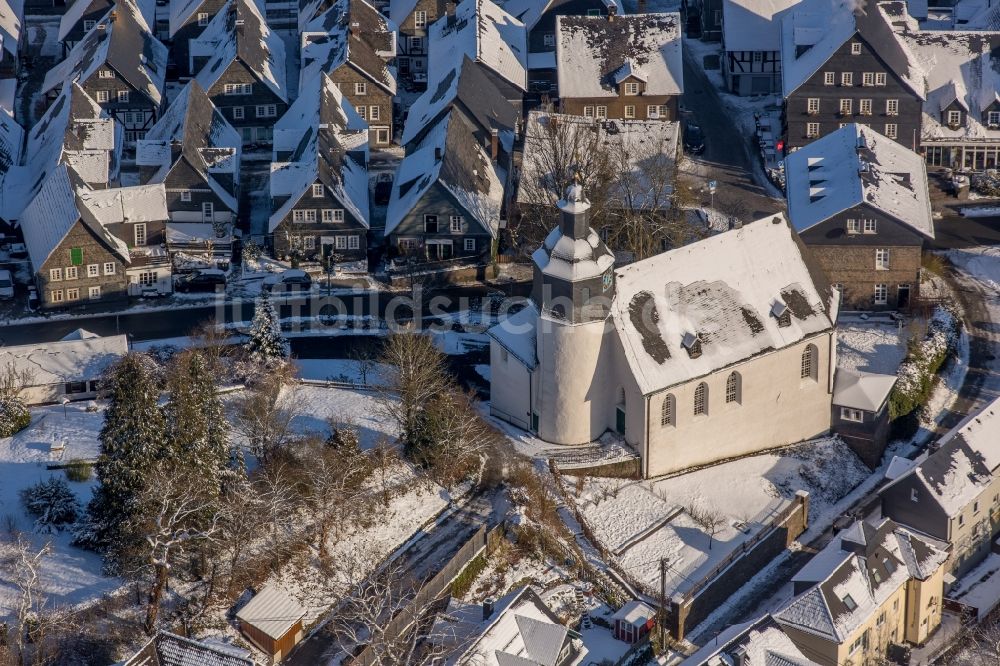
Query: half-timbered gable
413, 19
751, 45
626, 67
240, 63
319, 180
195, 153
121, 65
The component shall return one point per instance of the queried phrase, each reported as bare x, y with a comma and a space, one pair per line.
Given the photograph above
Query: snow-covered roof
634, 612
239, 31
207, 141
141, 203
753, 25
814, 30
182, 11
854, 575
329, 43
591, 49
66, 360
722, 289
74, 130
639, 151
327, 142
188, 233
761, 643
517, 334
74, 13
123, 41
11, 19
861, 390
954, 66
529, 12
54, 211
449, 156
856, 165
571, 259
11, 142
166, 649
486, 34
272, 611
468, 88
366, 22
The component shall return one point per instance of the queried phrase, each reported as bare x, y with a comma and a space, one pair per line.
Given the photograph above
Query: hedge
923, 360
14, 416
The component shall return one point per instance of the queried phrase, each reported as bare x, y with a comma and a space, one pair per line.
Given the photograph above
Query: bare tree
456, 441
13, 380
275, 489
175, 516
263, 416
711, 520
244, 513
366, 360
384, 458
416, 375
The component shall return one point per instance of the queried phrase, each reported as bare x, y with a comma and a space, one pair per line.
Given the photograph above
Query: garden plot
876, 345
641, 521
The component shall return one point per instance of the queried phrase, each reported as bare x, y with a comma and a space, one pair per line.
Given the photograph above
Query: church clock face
608, 277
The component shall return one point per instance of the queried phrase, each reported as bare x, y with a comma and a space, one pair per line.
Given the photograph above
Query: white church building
711, 351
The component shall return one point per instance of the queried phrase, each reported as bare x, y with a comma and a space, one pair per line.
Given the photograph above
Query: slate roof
166, 649
331, 148
467, 87
861, 390
855, 165
591, 49
140, 203
822, 27
854, 575
73, 130
753, 25
181, 11
53, 213
485, 33
633, 147
960, 66
517, 334
448, 156
239, 31
272, 611
204, 137
126, 44
762, 642
368, 23
74, 13
529, 12
66, 360
329, 43
11, 24
723, 289
11, 142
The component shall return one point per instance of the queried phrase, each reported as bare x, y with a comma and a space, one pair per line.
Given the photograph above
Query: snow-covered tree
266, 346
51, 503
416, 375
14, 415
132, 440
264, 414
197, 431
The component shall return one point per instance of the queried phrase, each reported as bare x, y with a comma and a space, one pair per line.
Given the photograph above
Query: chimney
113, 16
612, 10
494, 144
487, 608
354, 30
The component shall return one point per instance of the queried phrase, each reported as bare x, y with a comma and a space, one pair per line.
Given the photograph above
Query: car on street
6, 285
203, 279
291, 280
694, 139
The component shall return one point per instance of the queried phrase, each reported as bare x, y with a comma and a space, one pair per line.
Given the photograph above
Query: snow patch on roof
272, 611
65, 361
753, 25
485, 33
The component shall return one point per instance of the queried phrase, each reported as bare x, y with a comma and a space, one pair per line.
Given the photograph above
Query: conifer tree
266, 346
132, 440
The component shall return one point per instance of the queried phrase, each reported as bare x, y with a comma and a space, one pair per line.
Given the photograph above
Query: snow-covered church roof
485, 33
590, 50
722, 290
856, 165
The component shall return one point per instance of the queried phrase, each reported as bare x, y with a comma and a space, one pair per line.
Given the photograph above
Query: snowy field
876, 345
641, 521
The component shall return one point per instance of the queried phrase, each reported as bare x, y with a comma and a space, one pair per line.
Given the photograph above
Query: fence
484, 540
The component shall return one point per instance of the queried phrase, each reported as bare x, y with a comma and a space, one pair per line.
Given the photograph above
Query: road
423, 560
173, 322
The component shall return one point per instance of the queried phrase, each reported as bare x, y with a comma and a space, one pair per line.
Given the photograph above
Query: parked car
203, 279
291, 280
694, 139
6, 285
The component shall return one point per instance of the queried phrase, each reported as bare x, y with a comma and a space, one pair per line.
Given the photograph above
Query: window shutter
76, 256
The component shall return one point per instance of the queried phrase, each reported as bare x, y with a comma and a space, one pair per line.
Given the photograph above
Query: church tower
573, 287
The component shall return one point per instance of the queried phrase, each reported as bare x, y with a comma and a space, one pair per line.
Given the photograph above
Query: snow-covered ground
641, 521
875, 345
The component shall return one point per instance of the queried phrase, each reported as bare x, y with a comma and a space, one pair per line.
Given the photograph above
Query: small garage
272, 620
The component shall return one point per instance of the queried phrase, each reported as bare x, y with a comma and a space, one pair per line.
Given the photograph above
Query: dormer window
631, 88
849, 602
692, 343
954, 118
781, 312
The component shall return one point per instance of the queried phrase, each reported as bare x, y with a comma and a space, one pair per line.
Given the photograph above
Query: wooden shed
272, 621
633, 621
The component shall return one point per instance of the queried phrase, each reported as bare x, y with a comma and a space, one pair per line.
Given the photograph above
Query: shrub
51, 503
463, 581
986, 183
14, 416
78, 470
923, 359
